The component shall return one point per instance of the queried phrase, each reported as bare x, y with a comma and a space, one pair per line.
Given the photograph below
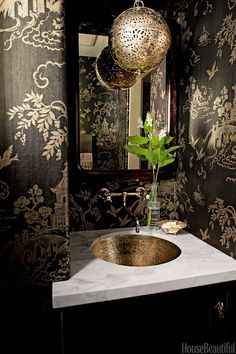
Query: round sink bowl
134, 249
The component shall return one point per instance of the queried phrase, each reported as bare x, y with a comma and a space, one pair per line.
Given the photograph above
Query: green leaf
139, 140
155, 142
166, 139
173, 148
167, 162
152, 148
153, 156
149, 156
137, 150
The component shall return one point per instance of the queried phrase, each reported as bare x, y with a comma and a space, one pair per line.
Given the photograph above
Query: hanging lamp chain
138, 3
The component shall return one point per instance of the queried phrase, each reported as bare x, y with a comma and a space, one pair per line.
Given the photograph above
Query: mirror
106, 117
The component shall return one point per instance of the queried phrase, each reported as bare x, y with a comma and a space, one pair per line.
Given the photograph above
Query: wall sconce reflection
111, 75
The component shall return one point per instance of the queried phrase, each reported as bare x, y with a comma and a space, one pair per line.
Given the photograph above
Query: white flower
149, 120
140, 123
162, 133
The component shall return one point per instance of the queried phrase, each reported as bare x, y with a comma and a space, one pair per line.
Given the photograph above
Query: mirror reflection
108, 116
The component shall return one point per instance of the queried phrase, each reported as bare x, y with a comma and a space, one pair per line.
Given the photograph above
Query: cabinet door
167, 322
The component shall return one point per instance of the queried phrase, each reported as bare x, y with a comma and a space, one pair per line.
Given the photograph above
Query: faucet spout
137, 224
137, 227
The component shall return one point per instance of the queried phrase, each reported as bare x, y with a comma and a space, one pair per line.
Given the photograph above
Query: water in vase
153, 214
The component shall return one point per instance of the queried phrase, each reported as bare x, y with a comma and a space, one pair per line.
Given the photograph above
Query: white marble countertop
94, 280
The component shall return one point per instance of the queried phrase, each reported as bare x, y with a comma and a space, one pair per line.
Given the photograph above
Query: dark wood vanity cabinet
160, 323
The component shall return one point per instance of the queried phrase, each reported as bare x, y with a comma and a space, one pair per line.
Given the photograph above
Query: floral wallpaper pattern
103, 117
88, 211
33, 112
203, 194
33, 150
207, 123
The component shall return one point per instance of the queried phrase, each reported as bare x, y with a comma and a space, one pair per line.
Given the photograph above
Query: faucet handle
105, 194
142, 193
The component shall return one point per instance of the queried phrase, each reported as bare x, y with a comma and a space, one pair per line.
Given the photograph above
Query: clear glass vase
153, 208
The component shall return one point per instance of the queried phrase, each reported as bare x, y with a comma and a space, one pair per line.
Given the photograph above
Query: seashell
172, 226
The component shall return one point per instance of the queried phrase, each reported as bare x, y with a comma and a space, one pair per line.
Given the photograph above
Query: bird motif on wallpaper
211, 72
163, 92
204, 234
193, 142
200, 153
6, 159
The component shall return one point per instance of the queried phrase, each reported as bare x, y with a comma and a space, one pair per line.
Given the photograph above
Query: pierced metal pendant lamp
110, 75
139, 38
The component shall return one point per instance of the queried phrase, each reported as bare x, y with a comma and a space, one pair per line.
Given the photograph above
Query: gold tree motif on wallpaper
39, 217
221, 138
36, 215
227, 36
186, 31
48, 119
218, 146
85, 210
104, 131
225, 217
222, 106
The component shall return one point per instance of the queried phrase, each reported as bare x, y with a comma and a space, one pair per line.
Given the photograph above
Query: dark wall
103, 120
207, 128
205, 188
34, 238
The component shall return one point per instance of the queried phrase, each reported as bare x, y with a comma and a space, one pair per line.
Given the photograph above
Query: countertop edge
141, 290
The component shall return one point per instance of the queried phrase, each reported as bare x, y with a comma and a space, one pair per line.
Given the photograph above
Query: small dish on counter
171, 226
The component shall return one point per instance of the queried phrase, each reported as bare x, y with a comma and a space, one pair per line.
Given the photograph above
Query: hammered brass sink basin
134, 249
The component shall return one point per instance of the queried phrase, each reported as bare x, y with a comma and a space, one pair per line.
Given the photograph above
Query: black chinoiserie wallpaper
103, 121
206, 188
34, 242
204, 192
35, 205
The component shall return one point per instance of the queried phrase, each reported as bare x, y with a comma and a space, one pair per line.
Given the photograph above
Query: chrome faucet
140, 193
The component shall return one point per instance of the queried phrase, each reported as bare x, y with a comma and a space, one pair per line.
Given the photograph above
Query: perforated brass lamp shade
110, 74
139, 39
